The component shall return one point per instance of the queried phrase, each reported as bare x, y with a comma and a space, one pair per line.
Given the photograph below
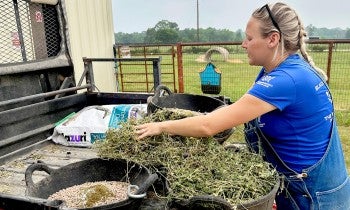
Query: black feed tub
164, 98
207, 202
90, 170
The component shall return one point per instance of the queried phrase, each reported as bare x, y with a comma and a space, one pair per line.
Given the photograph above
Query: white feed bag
83, 128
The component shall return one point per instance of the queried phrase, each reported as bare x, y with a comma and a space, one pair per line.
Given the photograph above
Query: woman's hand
245, 109
148, 129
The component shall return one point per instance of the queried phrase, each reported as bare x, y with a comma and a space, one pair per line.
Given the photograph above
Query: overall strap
268, 149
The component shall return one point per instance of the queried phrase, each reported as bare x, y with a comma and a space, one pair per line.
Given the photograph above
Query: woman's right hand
148, 129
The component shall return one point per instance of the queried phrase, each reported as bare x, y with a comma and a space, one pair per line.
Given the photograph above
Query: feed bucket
91, 170
207, 202
164, 98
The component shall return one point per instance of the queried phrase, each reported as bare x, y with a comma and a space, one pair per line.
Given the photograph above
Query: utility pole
197, 22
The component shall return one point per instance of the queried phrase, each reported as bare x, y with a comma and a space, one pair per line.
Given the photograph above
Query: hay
194, 166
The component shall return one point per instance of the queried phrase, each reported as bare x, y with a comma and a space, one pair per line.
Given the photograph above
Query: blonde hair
291, 29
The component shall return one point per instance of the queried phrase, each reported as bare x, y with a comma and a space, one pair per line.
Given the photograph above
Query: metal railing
156, 72
333, 56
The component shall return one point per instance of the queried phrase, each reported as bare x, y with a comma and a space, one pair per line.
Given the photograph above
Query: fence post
180, 67
156, 73
89, 74
329, 63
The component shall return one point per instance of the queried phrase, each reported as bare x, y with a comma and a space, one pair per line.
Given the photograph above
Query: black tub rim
153, 104
261, 199
187, 204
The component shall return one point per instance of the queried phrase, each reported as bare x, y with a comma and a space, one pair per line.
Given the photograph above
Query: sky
139, 15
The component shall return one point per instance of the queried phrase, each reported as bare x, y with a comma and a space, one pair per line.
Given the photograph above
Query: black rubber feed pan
207, 202
164, 98
90, 170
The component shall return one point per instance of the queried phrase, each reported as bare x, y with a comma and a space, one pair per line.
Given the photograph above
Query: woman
290, 111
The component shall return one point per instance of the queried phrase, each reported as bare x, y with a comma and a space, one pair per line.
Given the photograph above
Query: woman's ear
274, 38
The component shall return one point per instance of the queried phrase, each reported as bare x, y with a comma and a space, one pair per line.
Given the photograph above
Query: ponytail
306, 56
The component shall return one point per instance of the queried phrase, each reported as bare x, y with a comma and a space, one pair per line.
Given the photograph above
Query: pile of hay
195, 166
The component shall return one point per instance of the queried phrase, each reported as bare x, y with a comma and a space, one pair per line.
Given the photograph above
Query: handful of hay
194, 166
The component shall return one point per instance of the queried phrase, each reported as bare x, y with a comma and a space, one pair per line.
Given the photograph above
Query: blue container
210, 78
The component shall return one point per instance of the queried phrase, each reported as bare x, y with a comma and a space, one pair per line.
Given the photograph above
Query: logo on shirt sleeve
319, 85
265, 81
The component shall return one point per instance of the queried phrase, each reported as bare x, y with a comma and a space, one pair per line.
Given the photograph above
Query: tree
164, 32
239, 35
165, 24
126, 38
150, 36
310, 29
188, 35
347, 33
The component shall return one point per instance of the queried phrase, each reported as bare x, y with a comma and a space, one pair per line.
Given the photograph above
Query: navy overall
322, 186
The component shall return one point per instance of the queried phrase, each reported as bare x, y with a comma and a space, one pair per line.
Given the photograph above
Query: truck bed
25, 126
25, 129
12, 173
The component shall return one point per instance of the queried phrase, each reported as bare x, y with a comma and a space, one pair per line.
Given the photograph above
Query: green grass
345, 137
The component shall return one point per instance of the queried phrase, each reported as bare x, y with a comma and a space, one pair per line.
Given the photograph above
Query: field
235, 84
237, 76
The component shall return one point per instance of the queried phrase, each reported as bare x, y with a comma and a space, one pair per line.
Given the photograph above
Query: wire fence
182, 63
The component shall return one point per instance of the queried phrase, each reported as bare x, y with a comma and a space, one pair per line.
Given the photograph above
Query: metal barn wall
91, 34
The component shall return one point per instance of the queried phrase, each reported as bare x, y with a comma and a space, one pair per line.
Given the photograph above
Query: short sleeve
276, 88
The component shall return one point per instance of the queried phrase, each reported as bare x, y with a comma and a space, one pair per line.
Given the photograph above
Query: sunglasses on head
271, 16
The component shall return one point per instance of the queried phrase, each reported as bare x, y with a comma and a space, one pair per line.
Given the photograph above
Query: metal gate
138, 76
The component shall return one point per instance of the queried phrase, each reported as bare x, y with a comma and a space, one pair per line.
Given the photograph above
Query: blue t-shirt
299, 129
